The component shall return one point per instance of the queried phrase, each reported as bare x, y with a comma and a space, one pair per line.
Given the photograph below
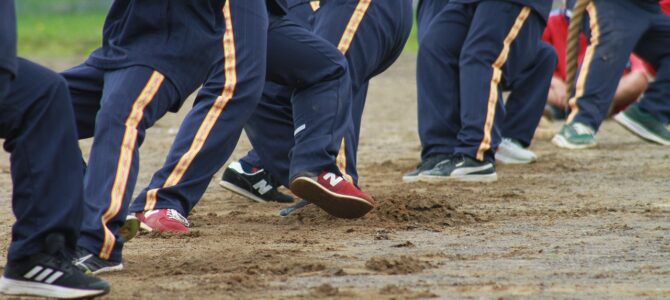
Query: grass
63, 35
59, 35
413, 42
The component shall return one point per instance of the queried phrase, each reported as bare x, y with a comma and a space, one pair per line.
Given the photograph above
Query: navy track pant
617, 28
37, 123
465, 59
116, 107
371, 34
210, 131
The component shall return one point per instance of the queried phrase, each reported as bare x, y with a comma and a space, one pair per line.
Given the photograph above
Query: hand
558, 96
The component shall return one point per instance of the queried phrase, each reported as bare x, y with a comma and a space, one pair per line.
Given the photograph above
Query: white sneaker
511, 152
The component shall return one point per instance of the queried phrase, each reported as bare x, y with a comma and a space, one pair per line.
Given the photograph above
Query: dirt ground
591, 224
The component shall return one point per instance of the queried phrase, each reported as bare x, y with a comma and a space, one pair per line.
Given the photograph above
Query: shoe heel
339, 206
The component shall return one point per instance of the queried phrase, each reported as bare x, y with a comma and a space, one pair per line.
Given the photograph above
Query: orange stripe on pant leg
126, 157
485, 144
230, 69
586, 64
344, 45
352, 26
315, 5
341, 161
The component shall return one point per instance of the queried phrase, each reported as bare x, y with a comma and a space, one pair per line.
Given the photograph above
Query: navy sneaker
461, 167
50, 274
425, 165
90, 263
256, 185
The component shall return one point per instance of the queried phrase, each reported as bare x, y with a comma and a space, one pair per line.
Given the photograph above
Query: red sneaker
164, 220
334, 194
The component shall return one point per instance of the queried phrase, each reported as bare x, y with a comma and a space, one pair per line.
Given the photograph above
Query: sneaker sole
25, 288
116, 268
340, 206
240, 191
561, 142
410, 179
464, 178
638, 129
508, 160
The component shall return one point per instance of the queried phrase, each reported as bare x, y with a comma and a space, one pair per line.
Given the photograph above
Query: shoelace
62, 262
582, 129
173, 214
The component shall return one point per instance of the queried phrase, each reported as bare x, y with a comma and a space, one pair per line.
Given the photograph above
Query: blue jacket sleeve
7, 37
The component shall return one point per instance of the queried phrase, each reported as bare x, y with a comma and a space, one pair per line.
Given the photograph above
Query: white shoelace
582, 129
173, 214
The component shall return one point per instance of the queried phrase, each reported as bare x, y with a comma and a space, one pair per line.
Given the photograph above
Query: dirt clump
398, 207
285, 268
396, 265
401, 292
406, 207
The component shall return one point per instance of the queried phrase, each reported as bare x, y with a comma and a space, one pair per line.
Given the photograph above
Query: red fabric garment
665, 5
639, 65
556, 34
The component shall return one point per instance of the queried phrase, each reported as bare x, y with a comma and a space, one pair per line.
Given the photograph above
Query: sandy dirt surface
592, 224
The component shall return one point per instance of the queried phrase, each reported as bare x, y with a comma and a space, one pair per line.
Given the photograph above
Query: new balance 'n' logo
332, 178
262, 187
41, 274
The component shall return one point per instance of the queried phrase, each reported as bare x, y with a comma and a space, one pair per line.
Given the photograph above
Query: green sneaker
644, 125
575, 136
130, 228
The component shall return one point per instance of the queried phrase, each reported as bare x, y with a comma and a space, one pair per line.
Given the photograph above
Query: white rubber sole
561, 142
509, 160
462, 178
108, 269
237, 190
25, 288
639, 130
410, 179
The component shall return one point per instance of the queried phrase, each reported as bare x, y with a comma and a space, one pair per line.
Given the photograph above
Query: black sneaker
51, 275
258, 186
90, 263
425, 165
461, 168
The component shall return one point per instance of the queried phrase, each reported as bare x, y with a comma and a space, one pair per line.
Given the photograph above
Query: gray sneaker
643, 125
511, 151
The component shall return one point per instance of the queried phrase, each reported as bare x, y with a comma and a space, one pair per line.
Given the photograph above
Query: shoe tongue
248, 168
54, 243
